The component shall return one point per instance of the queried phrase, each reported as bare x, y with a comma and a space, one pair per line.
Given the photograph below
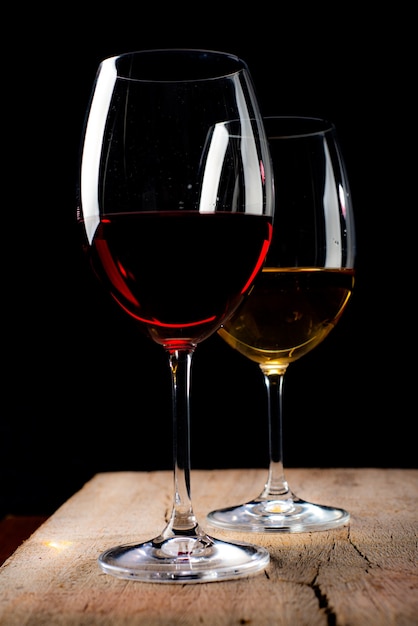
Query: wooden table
363, 574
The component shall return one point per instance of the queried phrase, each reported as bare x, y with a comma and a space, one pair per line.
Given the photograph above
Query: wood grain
363, 574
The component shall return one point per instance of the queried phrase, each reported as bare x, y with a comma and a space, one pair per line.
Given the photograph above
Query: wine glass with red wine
175, 203
298, 298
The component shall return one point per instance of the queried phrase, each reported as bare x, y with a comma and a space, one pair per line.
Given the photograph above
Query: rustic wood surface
363, 574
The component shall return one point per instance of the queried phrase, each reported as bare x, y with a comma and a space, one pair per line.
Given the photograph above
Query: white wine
288, 312
303, 289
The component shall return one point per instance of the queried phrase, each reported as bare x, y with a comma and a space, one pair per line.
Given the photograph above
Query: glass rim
298, 126
162, 65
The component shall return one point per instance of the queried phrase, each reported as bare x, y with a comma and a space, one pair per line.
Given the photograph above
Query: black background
83, 391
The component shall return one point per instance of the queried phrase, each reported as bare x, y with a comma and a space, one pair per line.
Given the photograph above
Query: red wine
180, 274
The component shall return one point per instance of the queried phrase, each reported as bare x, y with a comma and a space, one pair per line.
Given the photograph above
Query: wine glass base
184, 559
287, 515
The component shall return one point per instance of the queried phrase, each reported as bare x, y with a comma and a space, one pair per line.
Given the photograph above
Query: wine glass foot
287, 514
184, 559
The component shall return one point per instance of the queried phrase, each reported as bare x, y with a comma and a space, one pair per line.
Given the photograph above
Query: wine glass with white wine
296, 301
175, 206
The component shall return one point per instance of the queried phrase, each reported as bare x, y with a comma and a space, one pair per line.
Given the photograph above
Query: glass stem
183, 520
276, 485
